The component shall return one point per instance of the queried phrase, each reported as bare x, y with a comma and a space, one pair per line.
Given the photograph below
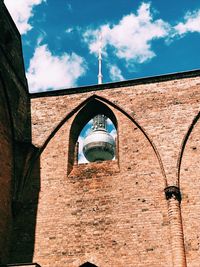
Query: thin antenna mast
100, 76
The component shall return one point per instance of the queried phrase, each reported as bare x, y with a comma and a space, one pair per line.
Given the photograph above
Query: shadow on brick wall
24, 220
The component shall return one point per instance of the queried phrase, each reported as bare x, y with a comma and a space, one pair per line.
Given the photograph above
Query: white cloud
21, 11
80, 143
41, 37
88, 128
69, 30
112, 129
191, 23
47, 71
109, 122
131, 38
81, 157
114, 133
115, 73
69, 7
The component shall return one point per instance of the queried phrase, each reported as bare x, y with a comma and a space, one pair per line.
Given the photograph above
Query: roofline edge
112, 85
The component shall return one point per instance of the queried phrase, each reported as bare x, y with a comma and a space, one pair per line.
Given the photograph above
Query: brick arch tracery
104, 102
84, 115
7, 182
188, 169
184, 143
138, 185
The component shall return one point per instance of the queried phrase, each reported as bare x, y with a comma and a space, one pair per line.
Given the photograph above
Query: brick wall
5, 175
13, 75
14, 124
113, 213
159, 107
190, 186
102, 212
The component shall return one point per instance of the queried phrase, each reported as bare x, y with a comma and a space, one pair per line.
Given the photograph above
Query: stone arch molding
184, 143
102, 102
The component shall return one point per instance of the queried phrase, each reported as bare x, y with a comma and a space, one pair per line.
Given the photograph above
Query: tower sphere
99, 145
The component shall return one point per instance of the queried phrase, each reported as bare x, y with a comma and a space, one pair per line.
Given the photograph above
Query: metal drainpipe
173, 196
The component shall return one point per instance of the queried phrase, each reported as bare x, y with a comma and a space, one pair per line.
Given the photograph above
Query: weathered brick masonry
141, 209
14, 123
115, 213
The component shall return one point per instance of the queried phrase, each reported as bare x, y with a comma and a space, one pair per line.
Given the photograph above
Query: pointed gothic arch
96, 99
88, 264
188, 175
84, 115
63, 131
183, 145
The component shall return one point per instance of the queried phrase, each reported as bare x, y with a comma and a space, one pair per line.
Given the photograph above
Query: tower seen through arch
97, 140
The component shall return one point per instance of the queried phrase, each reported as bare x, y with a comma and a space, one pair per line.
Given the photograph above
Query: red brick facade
115, 213
15, 126
141, 209
6, 159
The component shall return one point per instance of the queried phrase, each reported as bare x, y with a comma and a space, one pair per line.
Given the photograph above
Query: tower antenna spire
100, 76
99, 144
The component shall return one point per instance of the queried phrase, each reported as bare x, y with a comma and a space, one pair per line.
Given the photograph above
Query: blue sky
140, 38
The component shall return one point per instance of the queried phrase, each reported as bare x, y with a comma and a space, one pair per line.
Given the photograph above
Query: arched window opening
82, 126
87, 264
97, 140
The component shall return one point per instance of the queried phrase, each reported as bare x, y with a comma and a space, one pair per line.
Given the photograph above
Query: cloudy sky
139, 38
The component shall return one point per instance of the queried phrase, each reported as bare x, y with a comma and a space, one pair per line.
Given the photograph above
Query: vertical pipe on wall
173, 196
